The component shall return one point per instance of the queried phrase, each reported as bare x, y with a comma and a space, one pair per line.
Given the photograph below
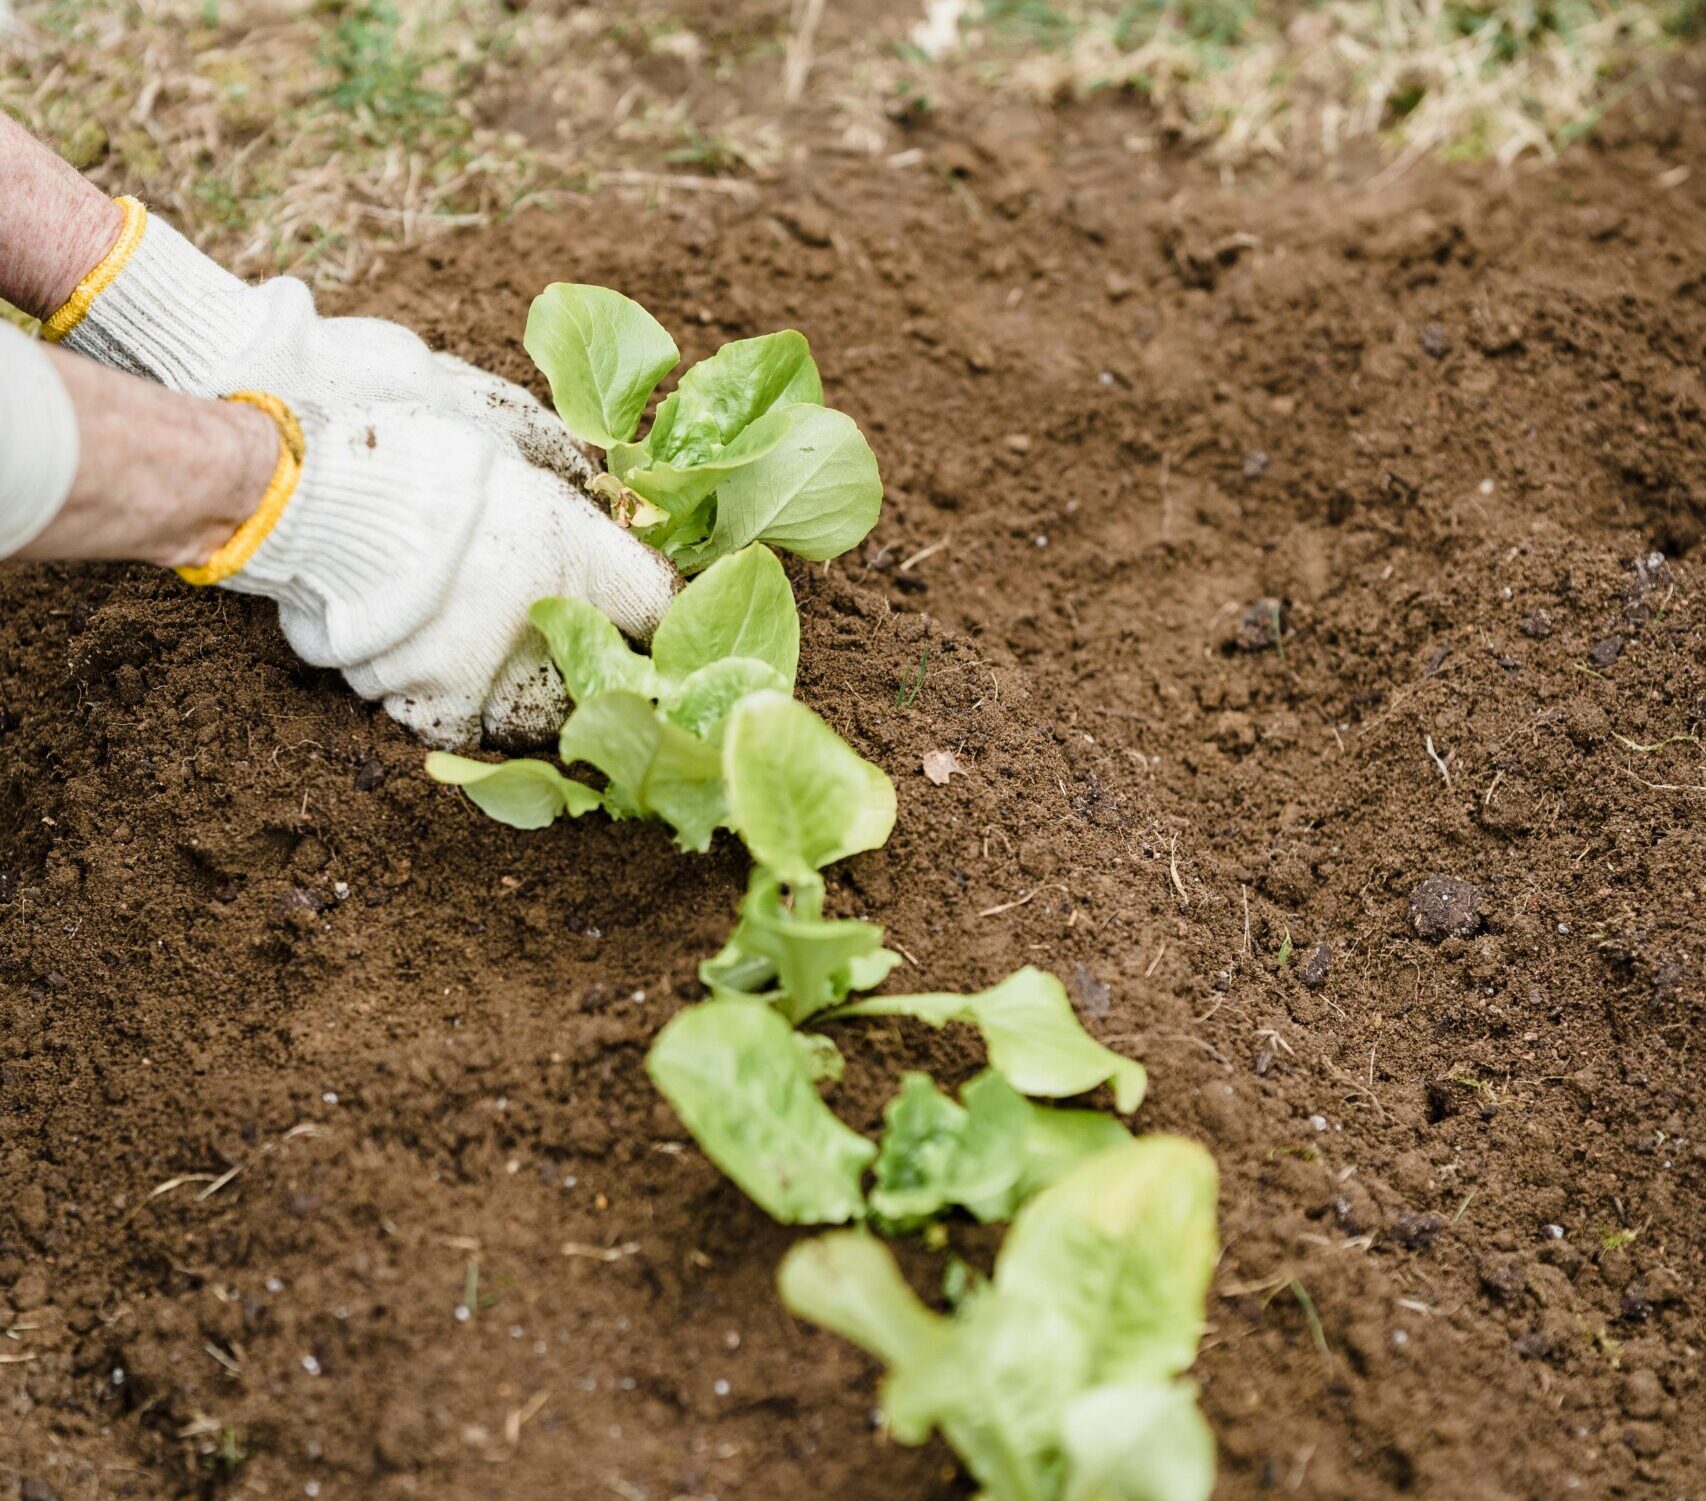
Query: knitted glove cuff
157, 307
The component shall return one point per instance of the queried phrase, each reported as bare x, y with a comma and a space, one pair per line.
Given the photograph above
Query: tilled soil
1310, 581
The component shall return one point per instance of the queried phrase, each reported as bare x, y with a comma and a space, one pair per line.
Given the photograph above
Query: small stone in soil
1606, 651
1435, 340
1416, 1232
1504, 1282
371, 774
1255, 463
1445, 907
1260, 626
1538, 626
1652, 573
1316, 966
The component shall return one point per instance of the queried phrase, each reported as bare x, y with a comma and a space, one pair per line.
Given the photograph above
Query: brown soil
1238, 500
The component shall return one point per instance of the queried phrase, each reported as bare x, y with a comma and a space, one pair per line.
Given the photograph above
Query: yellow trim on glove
77, 305
292, 450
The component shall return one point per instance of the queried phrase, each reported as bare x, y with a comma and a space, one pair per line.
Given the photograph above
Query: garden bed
1262, 554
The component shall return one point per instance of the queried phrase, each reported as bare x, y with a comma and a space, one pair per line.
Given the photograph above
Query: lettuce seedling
799, 796
741, 1081
702, 734
653, 725
742, 451
744, 1083
987, 1154
1058, 1379
1032, 1033
788, 953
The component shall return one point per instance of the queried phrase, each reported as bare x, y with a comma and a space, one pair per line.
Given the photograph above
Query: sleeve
38, 440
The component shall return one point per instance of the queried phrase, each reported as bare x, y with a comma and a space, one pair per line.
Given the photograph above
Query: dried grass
316, 136
1472, 78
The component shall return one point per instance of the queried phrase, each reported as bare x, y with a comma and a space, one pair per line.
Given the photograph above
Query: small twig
1662, 786
520, 1417
924, 552
600, 1253
1280, 1044
224, 1178
224, 1359
1647, 750
1244, 891
1434, 756
1025, 900
1156, 960
1173, 871
634, 177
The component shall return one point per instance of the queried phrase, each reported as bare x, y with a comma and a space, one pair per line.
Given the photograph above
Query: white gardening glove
404, 547
159, 308
436, 501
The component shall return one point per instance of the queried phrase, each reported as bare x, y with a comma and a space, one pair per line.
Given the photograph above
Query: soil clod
1316, 966
1260, 627
1446, 907
1605, 651
1416, 1232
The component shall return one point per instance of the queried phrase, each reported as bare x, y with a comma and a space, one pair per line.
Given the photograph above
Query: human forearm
54, 225
161, 477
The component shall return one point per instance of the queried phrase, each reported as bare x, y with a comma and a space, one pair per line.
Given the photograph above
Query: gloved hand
435, 502
159, 308
404, 546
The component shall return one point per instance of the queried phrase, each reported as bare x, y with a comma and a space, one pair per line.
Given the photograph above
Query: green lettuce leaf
1126, 1243
1053, 1381
847, 1282
703, 700
741, 606
936, 1153
795, 957
602, 353
995, 1379
1138, 1441
817, 493
988, 1154
656, 769
798, 794
524, 794
678, 487
741, 1082
719, 398
1032, 1033
589, 651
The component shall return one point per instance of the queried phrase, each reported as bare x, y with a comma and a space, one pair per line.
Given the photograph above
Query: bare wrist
162, 477
55, 226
